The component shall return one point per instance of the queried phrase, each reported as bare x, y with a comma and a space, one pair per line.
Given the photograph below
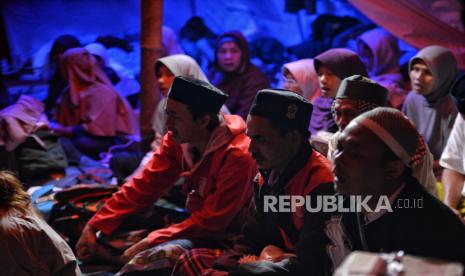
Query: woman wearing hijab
332, 67
300, 77
166, 69
91, 112
234, 74
58, 83
429, 105
380, 53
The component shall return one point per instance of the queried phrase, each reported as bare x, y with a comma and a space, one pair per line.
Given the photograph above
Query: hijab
385, 52
304, 73
182, 65
443, 66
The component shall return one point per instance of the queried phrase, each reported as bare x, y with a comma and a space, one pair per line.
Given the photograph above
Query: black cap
282, 107
361, 88
458, 93
198, 94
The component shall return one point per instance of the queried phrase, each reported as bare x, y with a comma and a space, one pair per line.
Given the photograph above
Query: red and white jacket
220, 185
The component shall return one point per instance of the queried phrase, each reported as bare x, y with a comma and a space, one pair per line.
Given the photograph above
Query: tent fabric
410, 21
88, 19
30, 24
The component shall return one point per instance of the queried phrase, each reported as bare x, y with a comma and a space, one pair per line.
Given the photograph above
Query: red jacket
220, 185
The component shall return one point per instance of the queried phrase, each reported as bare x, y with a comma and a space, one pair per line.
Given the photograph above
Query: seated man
355, 95
278, 128
380, 157
453, 156
209, 150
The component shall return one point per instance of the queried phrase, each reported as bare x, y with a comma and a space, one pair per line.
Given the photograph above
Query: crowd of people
231, 142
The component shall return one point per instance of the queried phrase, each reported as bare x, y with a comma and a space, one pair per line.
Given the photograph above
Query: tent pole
151, 50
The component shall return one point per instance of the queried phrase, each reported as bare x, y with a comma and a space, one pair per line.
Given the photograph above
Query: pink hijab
304, 72
91, 100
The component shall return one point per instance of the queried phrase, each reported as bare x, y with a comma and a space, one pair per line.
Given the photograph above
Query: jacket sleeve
155, 180
233, 191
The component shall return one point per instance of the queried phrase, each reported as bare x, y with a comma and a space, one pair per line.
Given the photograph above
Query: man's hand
273, 254
135, 249
85, 247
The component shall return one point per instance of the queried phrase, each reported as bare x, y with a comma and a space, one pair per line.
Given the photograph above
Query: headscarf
92, 101
82, 72
443, 66
179, 65
342, 62
385, 63
242, 84
182, 65
238, 38
58, 83
304, 73
99, 50
170, 42
402, 138
385, 52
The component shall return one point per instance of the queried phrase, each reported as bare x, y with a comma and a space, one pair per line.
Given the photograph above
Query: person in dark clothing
277, 125
91, 112
58, 83
381, 154
235, 74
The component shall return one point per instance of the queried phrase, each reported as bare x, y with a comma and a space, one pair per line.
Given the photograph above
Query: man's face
329, 82
269, 149
165, 78
358, 164
229, 56
421, 78
345, 110
179, 121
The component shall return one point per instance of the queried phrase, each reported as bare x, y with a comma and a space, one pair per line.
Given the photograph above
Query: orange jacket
220, 185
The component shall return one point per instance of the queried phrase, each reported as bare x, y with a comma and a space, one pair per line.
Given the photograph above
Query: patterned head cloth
402, 137
366, 92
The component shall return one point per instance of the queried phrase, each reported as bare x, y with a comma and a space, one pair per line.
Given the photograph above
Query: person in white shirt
453, 156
